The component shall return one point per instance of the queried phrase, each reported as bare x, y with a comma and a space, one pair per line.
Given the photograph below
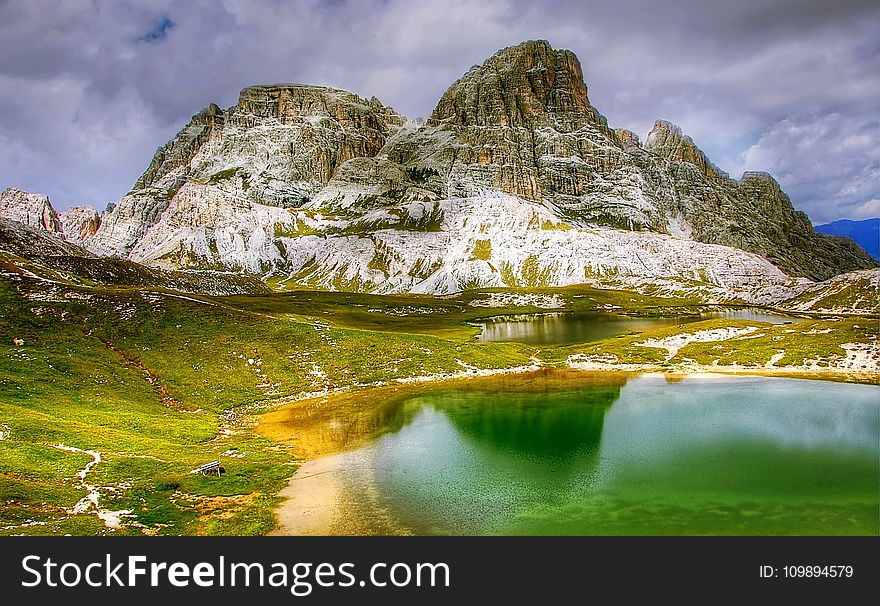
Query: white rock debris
774, 359
674, 343
112, 519
503, 299
862, 357
519, 251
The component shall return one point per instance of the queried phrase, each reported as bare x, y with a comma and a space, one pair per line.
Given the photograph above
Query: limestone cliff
522, 124
33, 210
277, 146
79, 224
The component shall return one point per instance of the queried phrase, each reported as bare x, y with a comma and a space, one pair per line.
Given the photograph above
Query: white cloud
828, 163
865, 210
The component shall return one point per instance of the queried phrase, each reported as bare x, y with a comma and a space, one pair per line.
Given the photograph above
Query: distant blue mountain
864, 233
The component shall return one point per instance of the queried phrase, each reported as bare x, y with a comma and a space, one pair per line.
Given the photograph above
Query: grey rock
277, 146
80, 223
33, 210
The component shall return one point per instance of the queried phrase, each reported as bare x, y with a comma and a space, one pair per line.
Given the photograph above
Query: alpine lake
558, 452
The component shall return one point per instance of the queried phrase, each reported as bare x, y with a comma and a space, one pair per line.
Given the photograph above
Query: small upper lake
570, 328
611, 455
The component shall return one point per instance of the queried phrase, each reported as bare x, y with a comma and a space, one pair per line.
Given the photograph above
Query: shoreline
782, 372
314, 513
863, 377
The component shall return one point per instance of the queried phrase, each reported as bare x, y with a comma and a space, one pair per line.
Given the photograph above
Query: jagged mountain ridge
317, 186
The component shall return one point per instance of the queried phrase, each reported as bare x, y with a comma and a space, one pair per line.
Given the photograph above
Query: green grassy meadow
159, 383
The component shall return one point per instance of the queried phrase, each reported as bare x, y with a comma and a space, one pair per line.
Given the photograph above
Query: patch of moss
535, 276
482, 250
550, 225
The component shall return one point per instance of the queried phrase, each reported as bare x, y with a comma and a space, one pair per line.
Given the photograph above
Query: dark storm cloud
89, 89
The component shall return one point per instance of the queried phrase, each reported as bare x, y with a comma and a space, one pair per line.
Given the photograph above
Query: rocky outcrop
530, 86
24, 240
277, 146
205, 228
79, 223
627, 138
33, 210
520, 124
754, 214
668, 142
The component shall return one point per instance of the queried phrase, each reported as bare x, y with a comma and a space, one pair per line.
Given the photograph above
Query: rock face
530, 85
79, 224
522, 124
34, 210
504, 241
667, 141
627, 138
514, 180
28, 241
75, 225
277, 147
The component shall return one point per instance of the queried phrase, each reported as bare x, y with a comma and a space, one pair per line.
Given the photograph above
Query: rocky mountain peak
627, 138
33, 210
668, 141
294, 103
531, 84
279, 165
278, 146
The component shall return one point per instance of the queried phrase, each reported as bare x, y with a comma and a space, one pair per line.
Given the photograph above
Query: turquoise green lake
711, 455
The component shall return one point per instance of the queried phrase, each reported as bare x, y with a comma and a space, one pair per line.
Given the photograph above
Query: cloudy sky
90, 88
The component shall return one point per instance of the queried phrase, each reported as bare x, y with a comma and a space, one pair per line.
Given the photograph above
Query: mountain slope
856, 292
34, 253
865, 233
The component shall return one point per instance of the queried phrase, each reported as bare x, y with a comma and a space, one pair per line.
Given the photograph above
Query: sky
90, 88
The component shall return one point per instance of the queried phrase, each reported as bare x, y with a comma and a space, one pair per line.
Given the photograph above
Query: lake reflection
699, 456
569, 328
